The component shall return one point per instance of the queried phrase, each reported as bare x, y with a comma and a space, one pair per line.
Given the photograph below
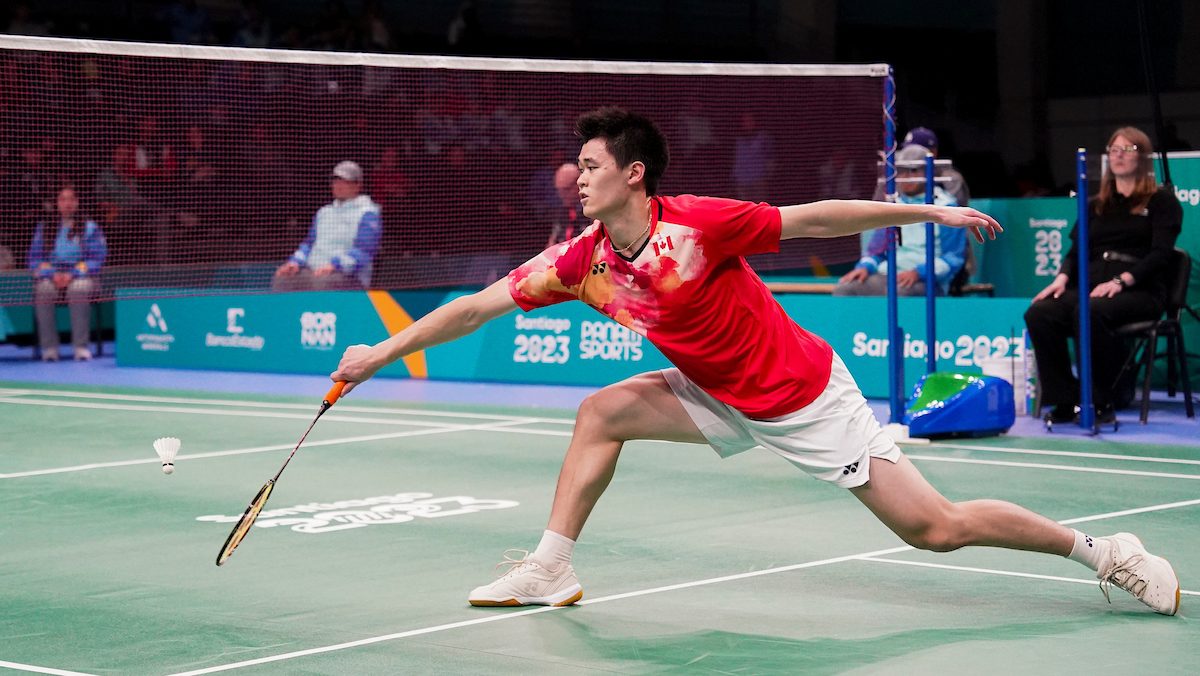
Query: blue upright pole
930, 277
895, 335
1087, 413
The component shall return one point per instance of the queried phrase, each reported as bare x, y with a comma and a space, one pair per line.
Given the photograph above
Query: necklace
649, 222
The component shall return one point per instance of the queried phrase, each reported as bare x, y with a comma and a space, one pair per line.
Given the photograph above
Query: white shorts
831, 438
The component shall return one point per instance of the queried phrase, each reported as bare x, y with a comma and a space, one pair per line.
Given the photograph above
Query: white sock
554, 551
1091, 552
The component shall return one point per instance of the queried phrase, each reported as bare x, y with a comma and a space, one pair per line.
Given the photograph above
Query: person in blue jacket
869, 276
342, 242
65, 260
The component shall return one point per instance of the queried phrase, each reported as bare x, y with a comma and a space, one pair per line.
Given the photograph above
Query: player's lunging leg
906, 503
642, 407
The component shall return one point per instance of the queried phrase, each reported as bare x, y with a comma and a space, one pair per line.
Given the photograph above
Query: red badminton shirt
690, 292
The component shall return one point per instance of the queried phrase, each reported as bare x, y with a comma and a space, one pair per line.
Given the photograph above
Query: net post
930, 277
895, 333
1087, 411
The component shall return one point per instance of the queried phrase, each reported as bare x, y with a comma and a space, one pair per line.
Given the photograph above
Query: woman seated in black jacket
1132, 227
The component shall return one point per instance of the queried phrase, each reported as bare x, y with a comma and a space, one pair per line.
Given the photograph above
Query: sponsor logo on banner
318, 330
1056, 223
609, 341
541, 348
965, 350
235, 334
1189, 196
328, 517
158, 340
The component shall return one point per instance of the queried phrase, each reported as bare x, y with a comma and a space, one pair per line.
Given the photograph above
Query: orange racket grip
334, 393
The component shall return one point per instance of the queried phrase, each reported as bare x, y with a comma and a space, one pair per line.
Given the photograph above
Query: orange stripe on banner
395, 319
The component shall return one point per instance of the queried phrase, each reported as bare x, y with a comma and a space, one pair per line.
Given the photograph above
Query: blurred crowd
184, 161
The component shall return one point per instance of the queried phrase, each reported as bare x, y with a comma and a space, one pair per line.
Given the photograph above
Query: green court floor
390, 513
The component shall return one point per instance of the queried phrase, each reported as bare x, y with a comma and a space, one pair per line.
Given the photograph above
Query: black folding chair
1146, 335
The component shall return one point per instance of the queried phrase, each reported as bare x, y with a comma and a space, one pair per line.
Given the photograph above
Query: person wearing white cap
869, 276
342, 242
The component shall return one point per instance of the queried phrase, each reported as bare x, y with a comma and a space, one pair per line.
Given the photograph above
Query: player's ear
635, 172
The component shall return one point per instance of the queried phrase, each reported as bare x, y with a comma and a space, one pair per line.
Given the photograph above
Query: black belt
1118, 256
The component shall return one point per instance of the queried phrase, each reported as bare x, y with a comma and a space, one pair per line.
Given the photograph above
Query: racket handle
334, 393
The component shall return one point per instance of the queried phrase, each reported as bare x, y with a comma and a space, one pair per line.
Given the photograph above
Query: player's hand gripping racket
256, 505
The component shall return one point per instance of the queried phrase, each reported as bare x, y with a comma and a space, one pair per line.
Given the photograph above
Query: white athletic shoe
83, 354
1148, 577
527, 582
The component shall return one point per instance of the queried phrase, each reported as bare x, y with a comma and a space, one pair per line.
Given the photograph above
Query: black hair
630, 138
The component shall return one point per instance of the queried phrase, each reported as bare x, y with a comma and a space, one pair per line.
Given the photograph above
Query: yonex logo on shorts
852, 468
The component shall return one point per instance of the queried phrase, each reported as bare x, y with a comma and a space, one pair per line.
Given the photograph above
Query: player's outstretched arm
836, 218
452, 320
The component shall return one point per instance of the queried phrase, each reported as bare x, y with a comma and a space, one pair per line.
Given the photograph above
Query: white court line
259, 404
992, 571
40, 670
532, 611
564, 421
643, 592
1128, 512
1065, 468
1067, 454
190, 410
517, 420
490, 427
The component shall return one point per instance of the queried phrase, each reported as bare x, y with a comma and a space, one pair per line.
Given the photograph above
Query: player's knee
935, 540
599, 410
943, 533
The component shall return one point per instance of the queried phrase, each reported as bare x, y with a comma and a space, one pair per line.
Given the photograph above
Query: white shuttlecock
167, 447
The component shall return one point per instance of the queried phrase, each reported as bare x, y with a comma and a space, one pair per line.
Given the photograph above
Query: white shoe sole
565, 597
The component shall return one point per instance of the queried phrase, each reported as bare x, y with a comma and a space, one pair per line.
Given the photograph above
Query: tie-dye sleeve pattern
553, 276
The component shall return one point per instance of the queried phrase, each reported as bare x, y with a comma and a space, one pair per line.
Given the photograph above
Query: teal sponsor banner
282, 333
1185, 174
568, 344
969, 331
565, 344
1023, 260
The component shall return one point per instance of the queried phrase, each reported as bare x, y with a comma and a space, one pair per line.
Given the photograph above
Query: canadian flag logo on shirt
662, 244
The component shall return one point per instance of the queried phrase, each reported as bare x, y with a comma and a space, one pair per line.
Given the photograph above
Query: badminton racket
256, 505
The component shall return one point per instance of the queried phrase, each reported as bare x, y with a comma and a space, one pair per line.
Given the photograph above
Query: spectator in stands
341, 245
374, 28
389, 182
34, 181
117, 191
152, 164
24, 23
1132, 228
565, 216
198, 196
952, 181
869, 276
753, 158
254, 29
65, 260
465, 32
186, 22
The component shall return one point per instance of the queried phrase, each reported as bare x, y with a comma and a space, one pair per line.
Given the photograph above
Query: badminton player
746, 375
